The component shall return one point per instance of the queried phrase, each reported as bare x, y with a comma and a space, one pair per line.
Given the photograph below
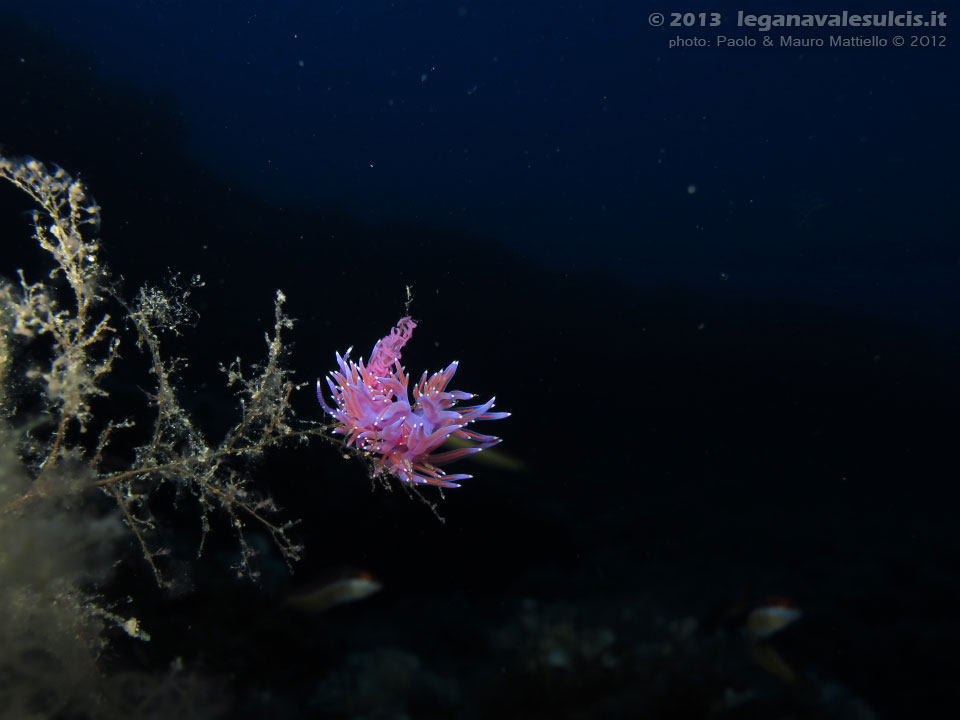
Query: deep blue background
570, 132
718, 289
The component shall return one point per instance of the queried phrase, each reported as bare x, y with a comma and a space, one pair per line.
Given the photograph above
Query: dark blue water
716, 286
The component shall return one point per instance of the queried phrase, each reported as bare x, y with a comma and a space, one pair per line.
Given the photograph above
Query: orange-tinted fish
346, 587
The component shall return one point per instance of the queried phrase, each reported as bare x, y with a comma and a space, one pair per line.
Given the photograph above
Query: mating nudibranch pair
372, 408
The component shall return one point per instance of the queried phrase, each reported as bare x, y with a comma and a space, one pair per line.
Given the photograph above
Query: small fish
771, 618
762, 628
346, 587
490, 457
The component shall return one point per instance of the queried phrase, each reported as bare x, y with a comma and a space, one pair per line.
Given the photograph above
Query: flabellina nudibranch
372, 408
